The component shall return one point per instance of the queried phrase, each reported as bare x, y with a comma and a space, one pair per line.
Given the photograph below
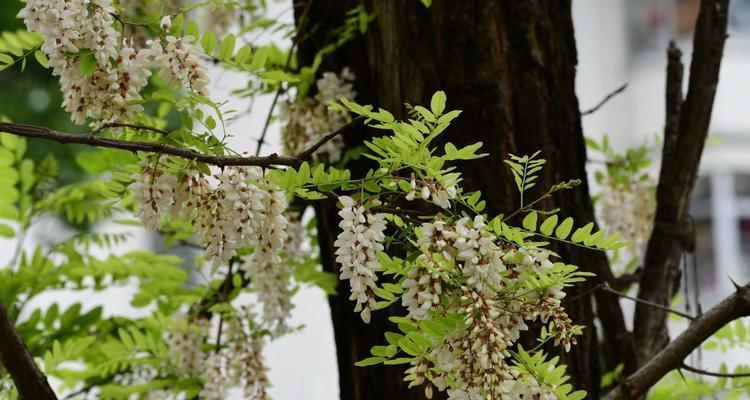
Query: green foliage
16, 46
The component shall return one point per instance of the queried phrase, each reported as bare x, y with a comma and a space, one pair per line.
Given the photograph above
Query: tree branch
605, 100
685, 133
715, 374
90, 139
671, 357
18, 361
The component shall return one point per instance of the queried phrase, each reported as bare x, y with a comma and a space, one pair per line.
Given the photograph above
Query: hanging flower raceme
154, 193
356, 247
179, 63
309, 119
270, 277
628, 209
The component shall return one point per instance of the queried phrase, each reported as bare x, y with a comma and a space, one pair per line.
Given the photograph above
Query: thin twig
716, 374
605, 100
295, 40
605, 287
312, 149
223, 299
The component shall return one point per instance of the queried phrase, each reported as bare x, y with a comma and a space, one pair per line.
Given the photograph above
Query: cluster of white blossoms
270, 277
309, 119
628, 210
239, 363
179, 62
185, 343
361, 237
496, 308
228, 211
432, 190
73, 30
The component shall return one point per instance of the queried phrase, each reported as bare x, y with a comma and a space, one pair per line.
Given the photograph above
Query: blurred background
619, 42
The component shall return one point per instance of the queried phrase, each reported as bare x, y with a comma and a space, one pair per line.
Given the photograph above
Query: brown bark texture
685, 134
510, 66
18, 361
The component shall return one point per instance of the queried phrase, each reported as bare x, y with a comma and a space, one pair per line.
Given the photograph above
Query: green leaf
582, 233
243, 54
548, 225
529, 222
6, 59
437, 104
279, 75
398, 361
563, 230
6, 231
369, 361
227, 47
191, 29
87, 64
41, 59
208, 42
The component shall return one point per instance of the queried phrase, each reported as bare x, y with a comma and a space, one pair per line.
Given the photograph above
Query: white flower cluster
356, 246
294, 247
628, 210
232, 213
433, 191
495, 305
185, 343
225, 216
70, 29
270, 277
238, 364
309, 119
179, 63
73, 30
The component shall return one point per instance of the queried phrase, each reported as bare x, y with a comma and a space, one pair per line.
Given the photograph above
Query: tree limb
684, 137
671, 357
33, 131
605, 100
18, 361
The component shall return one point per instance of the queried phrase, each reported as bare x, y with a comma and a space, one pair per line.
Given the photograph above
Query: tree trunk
510, 66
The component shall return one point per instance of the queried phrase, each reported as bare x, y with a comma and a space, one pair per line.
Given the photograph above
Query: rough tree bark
18, 361
510, 66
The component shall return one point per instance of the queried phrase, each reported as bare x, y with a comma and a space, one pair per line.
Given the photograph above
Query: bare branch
715, 374
605, 100
90, 139
647, 303
309, 152
671, 357
684, 137
132, 126
18, 361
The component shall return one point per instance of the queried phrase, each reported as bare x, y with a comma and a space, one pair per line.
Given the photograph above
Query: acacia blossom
356, 246
270, 277
179, 63
238, 363
496, 309
109, 90
309, 119
628, 210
